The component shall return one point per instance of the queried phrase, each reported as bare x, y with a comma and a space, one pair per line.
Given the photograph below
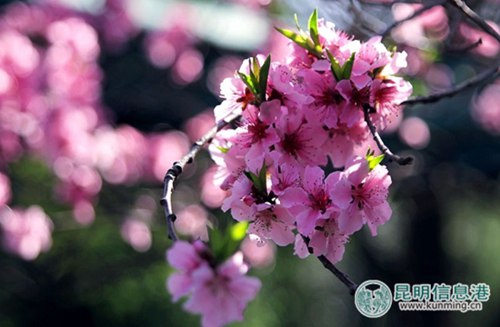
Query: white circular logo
373, 298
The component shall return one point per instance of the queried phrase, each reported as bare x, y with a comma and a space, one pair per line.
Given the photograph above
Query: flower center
291, 144
320, 200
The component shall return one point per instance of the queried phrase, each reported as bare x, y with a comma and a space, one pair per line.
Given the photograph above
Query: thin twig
473, 16
344, 278
412, 16
387, 3
378, 140
352, 286
490, 73
465, 48
177, 168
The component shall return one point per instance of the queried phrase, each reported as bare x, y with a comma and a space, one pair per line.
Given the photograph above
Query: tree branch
465, 48
490, 73
412, 16
473, 16
344, 278
177, 168
352, 286
378, 140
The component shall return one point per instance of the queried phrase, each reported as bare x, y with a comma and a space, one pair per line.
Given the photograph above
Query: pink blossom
327, 101
343, 140
186, 258
352, 112
256, 136
340, 44
285, 176
229, 159
386, 96
361, 194
26, 233
328, 240
300, 141
245, 200
312, 201
371, 55
273, 223
300, 248
221, 295
290, 90
237, 97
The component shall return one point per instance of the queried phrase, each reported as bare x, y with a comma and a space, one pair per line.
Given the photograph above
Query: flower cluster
296, 116
219, 292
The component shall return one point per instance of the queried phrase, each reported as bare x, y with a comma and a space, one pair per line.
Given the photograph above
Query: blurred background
99, 97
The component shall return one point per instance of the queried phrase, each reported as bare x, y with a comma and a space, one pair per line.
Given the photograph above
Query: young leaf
263, 77
335, 66
347, 68
222, 149
238, 230
248, 82
313, 27
374, 161
302, 40
255, 67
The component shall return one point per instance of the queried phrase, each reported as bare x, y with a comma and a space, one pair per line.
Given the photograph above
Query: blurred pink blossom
415, 132
258, 255
223, 68
136, 233
193, 221
489, 46
5, 193
122, 154
254, 4
417, 32
26, 233
486, 108
164, 149
211, 194
200, 124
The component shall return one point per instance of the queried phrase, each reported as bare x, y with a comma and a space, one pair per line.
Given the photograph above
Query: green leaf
259, 181
302, 40
341, 72
248, 82
238, 230
263, 77
374, 161
347, 68
335, 66
313, 27
216, 242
